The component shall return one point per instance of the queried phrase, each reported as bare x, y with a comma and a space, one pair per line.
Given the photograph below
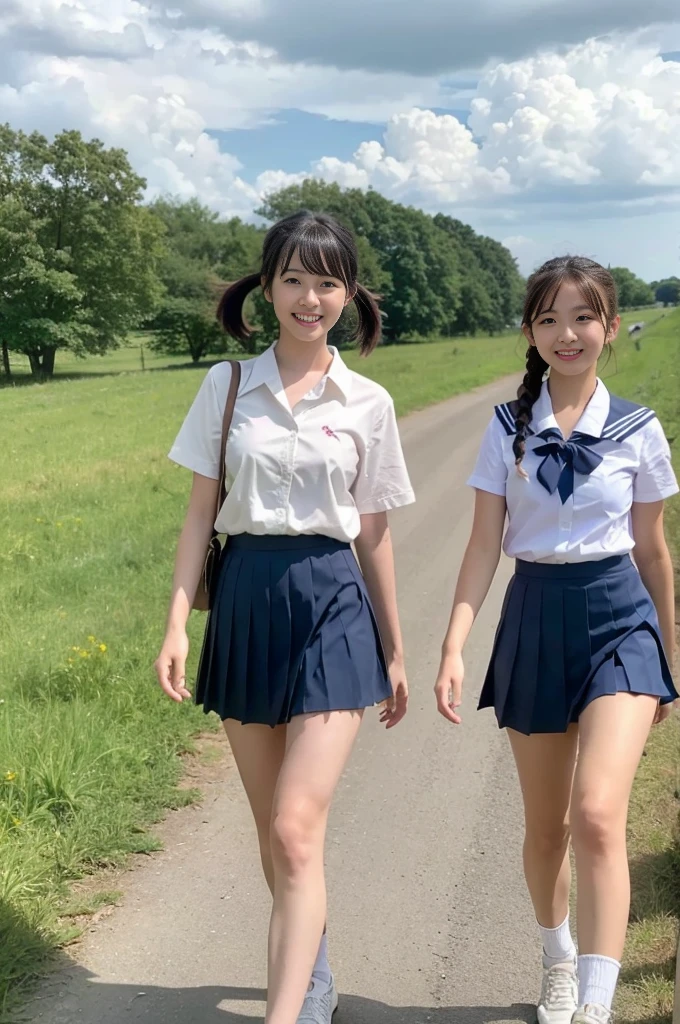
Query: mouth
308, 319
568, 355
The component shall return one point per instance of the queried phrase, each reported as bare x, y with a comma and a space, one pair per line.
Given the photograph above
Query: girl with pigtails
299, 640
579, 670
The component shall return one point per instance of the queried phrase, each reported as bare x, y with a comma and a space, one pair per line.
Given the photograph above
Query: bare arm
376, 558
653, 560
474, 579
189, 559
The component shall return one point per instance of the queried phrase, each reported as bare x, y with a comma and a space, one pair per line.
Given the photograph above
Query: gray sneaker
319, 1008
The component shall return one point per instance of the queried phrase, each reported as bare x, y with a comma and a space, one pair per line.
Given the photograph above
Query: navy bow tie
564, 458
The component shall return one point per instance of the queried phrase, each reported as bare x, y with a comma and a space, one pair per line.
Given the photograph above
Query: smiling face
307, 305
569, 332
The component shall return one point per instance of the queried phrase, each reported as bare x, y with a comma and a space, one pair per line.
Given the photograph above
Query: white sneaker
592, 1013
559, 995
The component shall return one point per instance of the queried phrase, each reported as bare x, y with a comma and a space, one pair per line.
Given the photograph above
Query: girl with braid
579, 670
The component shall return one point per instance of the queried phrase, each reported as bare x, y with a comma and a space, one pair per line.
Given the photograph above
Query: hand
395, 707
449, 687
664, 711
170, 665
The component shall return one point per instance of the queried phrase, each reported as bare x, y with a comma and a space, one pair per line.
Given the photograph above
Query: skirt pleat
291, 632
570, 634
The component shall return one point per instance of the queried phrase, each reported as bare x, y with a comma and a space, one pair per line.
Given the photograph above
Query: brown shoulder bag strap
226, 424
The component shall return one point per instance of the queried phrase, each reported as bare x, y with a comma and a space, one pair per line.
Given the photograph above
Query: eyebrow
294, 270
574, 309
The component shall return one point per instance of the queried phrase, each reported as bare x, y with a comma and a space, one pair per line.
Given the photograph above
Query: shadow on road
80, 998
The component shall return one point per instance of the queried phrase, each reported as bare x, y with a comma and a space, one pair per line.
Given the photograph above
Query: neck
571, 392
302, 356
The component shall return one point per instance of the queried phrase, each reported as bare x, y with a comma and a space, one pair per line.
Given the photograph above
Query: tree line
84, 260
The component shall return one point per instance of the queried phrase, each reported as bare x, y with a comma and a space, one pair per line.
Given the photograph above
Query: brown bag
204, 591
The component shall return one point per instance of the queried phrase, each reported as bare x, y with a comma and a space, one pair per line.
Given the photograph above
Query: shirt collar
592, 420
264, 370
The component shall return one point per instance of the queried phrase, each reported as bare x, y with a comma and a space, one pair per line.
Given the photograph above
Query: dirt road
428, 917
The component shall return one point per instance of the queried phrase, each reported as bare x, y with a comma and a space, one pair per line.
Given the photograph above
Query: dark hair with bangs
598, 289
325, 247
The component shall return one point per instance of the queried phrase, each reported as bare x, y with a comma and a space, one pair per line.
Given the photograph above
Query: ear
350, 296
526, 331
613, 330
267, 293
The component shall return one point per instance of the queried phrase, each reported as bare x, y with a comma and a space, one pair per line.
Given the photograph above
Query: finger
396, 718
163, 673
178, 678
447, 708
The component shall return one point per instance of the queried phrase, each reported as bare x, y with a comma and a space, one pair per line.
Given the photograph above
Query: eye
584, 317
548, 320
331, 284
291, 280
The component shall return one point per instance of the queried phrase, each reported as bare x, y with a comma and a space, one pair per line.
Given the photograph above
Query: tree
632, 291
427, 269
199, 249
41, 304
668, 291
83, 202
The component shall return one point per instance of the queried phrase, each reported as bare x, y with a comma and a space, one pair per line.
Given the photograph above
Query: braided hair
528, 393
598, 289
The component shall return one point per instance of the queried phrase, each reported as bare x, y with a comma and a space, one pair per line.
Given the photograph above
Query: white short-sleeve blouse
312, 469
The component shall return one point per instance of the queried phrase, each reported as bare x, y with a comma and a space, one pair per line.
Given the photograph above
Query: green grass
90, 510
652, 376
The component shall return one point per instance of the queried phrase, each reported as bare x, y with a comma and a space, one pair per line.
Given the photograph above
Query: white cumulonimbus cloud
601, 121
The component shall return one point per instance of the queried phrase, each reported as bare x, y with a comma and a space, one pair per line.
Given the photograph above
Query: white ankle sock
597, 978
558, 944
321, 972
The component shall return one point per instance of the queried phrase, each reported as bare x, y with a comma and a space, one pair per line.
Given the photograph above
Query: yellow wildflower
75, 649
84, 654
10, 776
16, 822
102, 648
92, 639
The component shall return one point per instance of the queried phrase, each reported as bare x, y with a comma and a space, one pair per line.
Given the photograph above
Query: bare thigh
258, 751
545, 766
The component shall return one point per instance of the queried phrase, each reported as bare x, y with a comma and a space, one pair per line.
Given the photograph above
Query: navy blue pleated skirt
291, 631
569, 634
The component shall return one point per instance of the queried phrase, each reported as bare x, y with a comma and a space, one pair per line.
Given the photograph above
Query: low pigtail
528, 392
369, 327
230, 308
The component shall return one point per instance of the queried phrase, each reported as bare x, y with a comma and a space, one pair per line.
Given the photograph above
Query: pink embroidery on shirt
330, 433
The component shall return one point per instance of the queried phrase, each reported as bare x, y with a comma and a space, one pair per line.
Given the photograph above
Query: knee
597, 826
295, 837
547, 838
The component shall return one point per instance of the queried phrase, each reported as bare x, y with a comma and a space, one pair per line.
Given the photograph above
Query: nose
309, 299
567, 336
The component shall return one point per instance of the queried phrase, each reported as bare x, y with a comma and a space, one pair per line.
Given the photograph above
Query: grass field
90, 510
652, 377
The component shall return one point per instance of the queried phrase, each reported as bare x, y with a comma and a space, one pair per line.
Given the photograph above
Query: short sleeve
655, 479
491, 472
382, 482
197, 446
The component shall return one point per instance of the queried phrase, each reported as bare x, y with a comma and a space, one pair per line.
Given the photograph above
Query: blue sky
296, 138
